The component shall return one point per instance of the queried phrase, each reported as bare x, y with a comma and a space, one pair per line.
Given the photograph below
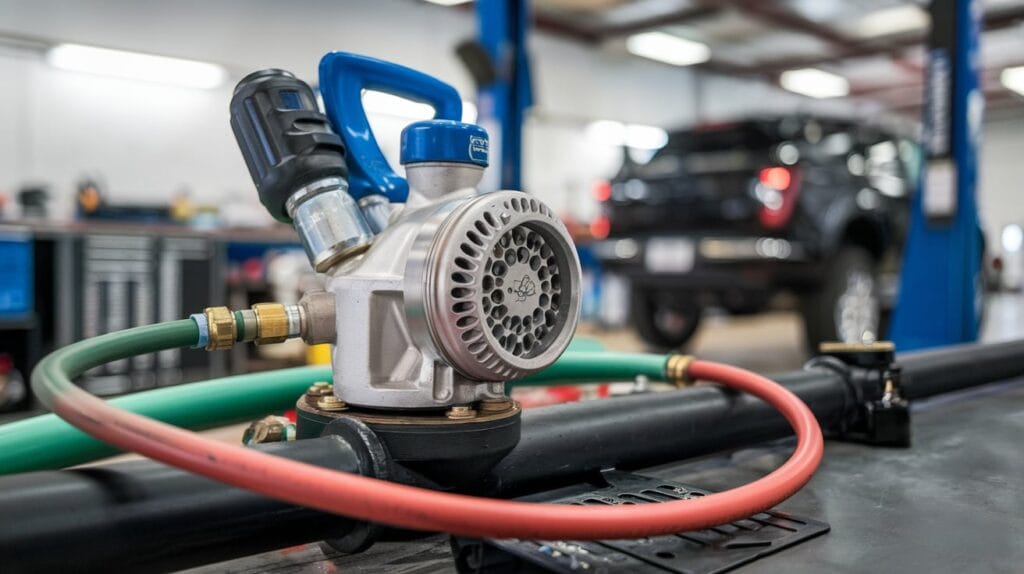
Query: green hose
47, 442
589, 366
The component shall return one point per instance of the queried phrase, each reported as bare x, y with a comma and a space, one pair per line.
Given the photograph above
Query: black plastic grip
285, 139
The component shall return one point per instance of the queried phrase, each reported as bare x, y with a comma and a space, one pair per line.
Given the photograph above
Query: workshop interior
512, 286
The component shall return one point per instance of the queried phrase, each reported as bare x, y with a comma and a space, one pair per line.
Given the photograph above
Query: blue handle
343, 77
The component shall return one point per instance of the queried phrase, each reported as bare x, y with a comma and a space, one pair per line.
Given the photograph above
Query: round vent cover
503, 287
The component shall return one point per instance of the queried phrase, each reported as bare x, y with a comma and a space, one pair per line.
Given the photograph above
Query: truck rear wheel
665, 319
848, 306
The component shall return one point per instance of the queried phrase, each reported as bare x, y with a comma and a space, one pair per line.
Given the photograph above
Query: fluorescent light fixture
890, 21
1012, 238
634, 136
645, 137
815, 83
391, 105
383, 103
1013, 79
667, 48
449, 2
136, 66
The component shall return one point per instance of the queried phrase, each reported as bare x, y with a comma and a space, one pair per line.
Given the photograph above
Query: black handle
287, 142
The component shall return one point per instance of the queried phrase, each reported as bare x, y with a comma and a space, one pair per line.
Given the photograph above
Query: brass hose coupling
267, 323
675, 370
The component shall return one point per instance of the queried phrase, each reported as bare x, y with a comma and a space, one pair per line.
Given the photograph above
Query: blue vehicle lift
502, 103
942, 266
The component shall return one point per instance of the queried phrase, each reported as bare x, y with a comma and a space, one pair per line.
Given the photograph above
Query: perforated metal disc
504, 287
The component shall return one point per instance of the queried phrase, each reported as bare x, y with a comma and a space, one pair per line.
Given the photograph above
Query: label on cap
478, 147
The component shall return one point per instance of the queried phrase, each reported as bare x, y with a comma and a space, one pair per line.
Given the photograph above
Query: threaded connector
222, 329
675, 370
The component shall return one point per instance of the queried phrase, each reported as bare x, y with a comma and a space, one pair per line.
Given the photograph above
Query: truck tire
665, 320
847, 308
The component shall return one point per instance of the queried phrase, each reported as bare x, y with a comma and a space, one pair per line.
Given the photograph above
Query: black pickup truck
731, 214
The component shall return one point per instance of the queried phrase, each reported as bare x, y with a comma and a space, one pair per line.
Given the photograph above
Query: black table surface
954, 502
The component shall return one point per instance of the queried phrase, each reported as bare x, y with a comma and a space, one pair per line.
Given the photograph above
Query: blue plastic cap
444, 141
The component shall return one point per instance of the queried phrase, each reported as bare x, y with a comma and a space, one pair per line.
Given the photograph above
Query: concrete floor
773, 341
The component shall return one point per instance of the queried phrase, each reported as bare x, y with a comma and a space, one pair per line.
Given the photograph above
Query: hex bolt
461, 412
331, 403
495, 405
320, 389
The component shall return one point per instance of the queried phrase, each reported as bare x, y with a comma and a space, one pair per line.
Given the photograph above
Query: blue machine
16, 281
941, 277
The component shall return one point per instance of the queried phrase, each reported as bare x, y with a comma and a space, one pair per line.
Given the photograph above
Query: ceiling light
383, 103
607, 132
895, 20
815, 83
136, 66
668, 48
1013, 79
645, 137
449, 2
634, 136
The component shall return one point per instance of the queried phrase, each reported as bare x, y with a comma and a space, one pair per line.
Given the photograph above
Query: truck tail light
602, 190
777, 189
600, 227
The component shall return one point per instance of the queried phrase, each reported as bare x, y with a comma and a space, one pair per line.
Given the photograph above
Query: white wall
1001, 185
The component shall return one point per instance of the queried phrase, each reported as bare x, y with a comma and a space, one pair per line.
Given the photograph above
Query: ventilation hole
538, 315
490, 219
507, 206
461, 292
545, 251
518, 349
487, 283
471, 335
510, 257
464, 263
533, 205
463, 307
474, 238
523, 254
497, 296
497, 331
479, 225
476, 347
462, 278
466, 321
549, 319
545, 286
556, 282
527, 321
542, 273
468, 250
665, 555
499, 268
535, 263
490, 321
499, 282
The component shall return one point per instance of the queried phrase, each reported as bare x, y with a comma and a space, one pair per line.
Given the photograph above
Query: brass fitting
269, 429
271, 323
675, 370
461, 412
222, 327
331, 403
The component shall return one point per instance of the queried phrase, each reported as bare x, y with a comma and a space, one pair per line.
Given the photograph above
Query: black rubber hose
142, 516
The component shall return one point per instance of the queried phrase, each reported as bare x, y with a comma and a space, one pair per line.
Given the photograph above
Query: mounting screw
495, 405
320, 389
461, 412
331, 403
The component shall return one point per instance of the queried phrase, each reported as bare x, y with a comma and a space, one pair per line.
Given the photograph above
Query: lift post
942, 265
502, 104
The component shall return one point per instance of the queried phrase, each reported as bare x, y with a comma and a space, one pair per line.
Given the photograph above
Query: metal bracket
881, 414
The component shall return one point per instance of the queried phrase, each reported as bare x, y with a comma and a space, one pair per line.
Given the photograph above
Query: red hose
417, 508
